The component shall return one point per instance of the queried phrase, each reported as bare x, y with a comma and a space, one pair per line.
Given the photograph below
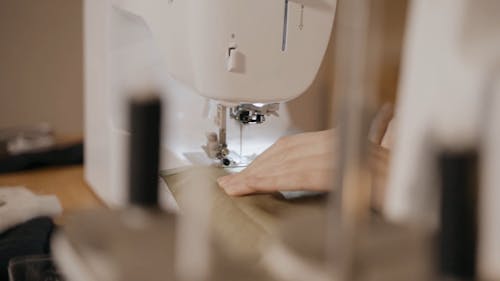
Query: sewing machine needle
241, 140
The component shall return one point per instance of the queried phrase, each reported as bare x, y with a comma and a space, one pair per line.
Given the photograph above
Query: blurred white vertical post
489, 207
451, 50
438, 103
480, 43
193, 238
355, 84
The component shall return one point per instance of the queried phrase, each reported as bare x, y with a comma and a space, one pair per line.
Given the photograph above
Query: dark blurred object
33, 268
27, 239
19, 140
459, 188
145, 115
59, 155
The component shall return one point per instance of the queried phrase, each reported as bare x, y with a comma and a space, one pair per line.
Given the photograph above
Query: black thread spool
458, 216
145, 116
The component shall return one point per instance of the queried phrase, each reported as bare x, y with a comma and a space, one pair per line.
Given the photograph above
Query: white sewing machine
232, 61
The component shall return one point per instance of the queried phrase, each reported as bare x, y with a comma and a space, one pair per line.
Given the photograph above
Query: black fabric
30, 238
68, 155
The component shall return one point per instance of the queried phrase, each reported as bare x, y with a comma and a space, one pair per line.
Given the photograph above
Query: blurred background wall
41, 64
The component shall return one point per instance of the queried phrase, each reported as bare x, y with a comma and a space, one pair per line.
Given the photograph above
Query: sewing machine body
198, 54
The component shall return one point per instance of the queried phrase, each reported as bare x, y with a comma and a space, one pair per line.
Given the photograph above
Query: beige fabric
241, 223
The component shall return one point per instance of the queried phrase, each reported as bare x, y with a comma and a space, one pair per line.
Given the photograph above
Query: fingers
312, 180
293, 149
316, 174
298, 156
234, 186
299, 165
379, 161
322, 140
297, 162
380, 123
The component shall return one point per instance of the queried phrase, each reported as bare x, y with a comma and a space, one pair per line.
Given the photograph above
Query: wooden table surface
66, 183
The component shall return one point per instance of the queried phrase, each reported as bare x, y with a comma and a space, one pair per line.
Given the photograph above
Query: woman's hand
306, 162
298, 162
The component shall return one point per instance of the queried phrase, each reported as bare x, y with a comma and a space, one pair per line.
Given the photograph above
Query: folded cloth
18, 205
29, 238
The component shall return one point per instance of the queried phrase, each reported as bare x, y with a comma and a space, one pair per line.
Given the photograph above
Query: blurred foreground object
448, 101
105, 245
